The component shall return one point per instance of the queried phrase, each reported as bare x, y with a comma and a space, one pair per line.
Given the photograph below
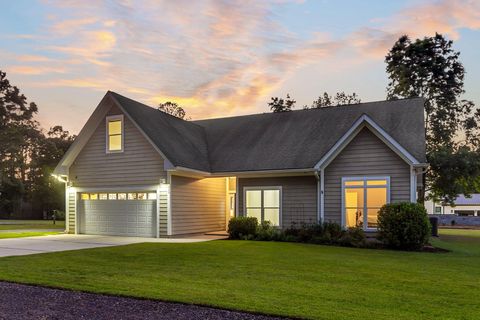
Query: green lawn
301, 280
20, 234
30, 224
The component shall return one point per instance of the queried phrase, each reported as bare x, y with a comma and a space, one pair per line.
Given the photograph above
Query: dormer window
115, 134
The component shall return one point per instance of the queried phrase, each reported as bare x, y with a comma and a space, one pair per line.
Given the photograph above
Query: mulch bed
18, 301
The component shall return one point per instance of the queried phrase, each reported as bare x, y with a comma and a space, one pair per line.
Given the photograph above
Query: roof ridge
155, 109
307, 110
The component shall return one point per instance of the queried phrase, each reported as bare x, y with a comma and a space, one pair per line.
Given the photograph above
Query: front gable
365, 155
138, 164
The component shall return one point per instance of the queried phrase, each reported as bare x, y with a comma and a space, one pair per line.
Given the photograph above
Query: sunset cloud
215, 58
35, 70
447, 17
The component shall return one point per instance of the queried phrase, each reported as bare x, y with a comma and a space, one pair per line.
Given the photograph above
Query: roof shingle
273, 141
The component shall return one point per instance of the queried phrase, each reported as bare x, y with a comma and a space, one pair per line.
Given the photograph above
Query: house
464, 206
136, 171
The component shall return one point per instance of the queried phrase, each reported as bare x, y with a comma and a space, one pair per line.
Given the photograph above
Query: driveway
19, 301
65, 242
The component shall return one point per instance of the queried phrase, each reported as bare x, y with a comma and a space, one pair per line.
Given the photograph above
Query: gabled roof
270, 141
474, 199
299, 139
182, 142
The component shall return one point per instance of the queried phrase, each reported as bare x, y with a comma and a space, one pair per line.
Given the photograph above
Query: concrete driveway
65, 242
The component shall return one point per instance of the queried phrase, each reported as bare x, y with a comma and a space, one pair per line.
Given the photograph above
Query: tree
340, 98
18, 136
280, 105
27, 155
430, 68
172, 108
46, 193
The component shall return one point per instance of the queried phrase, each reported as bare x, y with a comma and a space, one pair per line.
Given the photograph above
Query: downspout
320, 195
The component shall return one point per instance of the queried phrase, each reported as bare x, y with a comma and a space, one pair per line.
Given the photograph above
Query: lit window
112, 196
152, 196
122, 196
264, 204
85, 196
93, 196
354, 183
103, 196
141, 196
132, 196
363, 200
115, 133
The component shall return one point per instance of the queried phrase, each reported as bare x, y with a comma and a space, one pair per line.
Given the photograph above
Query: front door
231, 207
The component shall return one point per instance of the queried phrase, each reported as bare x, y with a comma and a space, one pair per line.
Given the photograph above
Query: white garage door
119, 214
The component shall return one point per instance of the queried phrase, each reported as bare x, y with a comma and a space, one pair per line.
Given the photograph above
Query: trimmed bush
354, 237
242, 227
267, 232
403, 226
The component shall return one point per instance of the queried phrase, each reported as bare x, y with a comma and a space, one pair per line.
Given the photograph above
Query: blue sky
216, 58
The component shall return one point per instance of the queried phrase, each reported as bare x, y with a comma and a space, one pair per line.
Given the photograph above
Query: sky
216, 58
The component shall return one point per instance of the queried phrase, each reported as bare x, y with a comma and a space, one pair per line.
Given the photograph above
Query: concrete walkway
65, 242
30, 230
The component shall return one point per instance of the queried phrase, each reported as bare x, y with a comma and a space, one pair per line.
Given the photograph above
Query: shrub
353, 237
266, 232
403, 226
242, 227
332, 231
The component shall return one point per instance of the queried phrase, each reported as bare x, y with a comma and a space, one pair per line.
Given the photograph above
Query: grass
30, 224
301, 280
9, 235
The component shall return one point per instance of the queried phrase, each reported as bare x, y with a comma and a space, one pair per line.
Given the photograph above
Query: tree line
28, 156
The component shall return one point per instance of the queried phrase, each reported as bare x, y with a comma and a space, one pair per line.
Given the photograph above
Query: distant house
136, 171
464, 206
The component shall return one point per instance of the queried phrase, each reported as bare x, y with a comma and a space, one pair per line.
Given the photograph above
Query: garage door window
119, 196
152, 196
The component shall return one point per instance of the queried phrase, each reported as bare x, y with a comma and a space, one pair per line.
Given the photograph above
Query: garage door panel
118, 217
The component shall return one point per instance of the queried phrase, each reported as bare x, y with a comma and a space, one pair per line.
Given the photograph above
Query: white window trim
362, 178
107, 142
280, 213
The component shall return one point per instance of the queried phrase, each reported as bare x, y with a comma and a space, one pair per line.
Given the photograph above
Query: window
438, 210
119, 196
152, 196
115, 133
263, 203
362, 198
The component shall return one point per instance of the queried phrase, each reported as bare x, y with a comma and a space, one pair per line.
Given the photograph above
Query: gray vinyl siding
365, 155
71, 211
198, 205
299, 197
163, 210
139, 163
